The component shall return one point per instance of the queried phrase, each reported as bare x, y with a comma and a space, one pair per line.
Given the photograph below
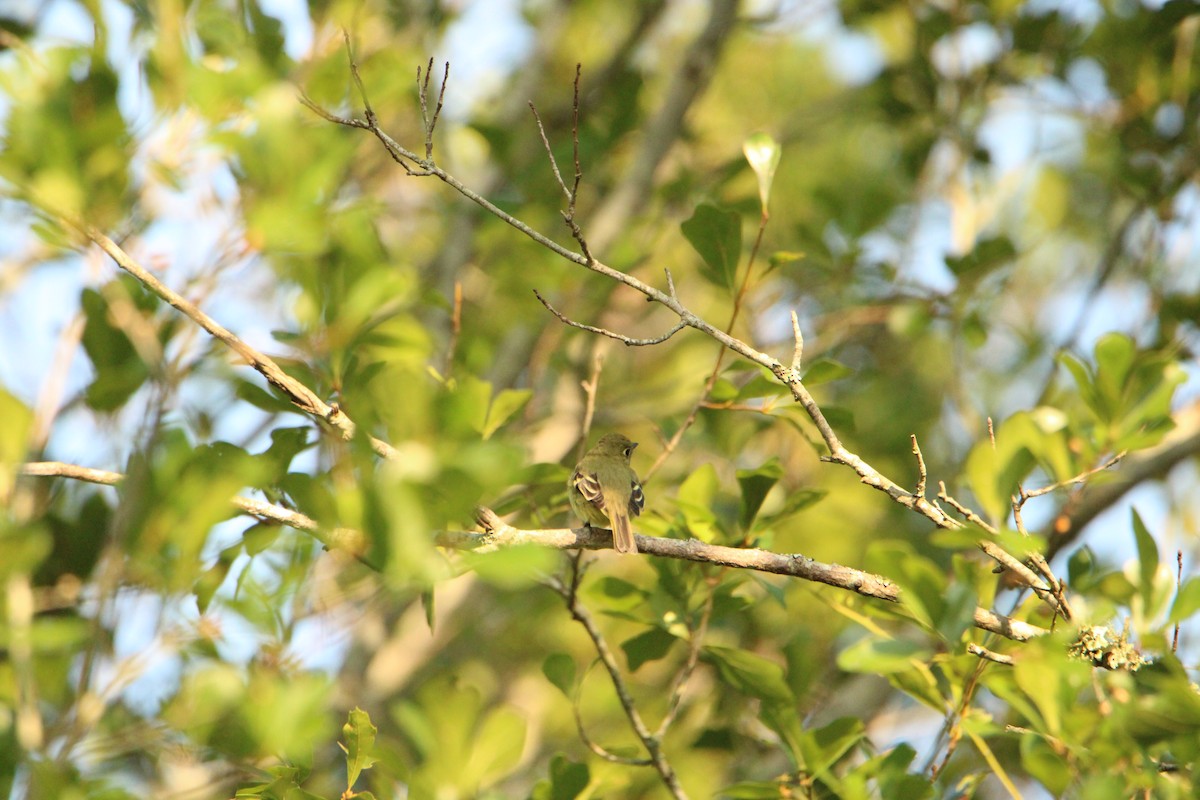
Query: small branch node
798, 352
922, 474
988, 655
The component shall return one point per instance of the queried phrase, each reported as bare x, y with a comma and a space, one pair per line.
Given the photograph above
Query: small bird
604, 489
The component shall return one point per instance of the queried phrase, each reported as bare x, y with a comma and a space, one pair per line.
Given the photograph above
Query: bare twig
1178, 584
572, 192
922, 474
590, 387
423, 96
50, 395
587, 740
455, 326
649, 740
967, 513
300, 395
798, 350
695, 643
1080, 478
620, 337
1049, 593
988, 655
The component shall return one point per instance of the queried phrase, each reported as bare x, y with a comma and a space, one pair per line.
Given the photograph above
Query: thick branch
500, 535
791, 565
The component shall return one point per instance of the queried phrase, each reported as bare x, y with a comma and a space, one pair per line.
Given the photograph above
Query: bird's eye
628, 452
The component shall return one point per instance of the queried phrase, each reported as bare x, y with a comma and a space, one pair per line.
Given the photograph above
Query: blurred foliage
983, 214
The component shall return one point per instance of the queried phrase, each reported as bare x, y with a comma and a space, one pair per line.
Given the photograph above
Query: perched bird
604, 489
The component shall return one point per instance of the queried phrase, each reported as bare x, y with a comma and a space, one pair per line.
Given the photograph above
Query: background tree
260, 366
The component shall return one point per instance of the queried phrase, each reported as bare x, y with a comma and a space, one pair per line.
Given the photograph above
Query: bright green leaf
358, 736
1187, 601
1147, 550
503, 406
882, 656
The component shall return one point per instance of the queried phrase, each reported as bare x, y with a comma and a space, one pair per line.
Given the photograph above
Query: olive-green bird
604, 490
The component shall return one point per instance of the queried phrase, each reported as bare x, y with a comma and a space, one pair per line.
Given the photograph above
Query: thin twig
455, 327
1178, 585
651, 742
423, 97
300, 395
922, 474
967, 513
1080, 478
587, 740
550, 155
988, 655
838, 453
620, 337
1048, 593
695, 644
590, 387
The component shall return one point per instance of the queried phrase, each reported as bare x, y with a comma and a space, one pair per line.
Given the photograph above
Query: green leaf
882, 656
1147, 550
958, 612
1187, 601
618, 595
756, 483
781, 257
922, 583
695, 500
120, 371
650, 645
559, 669
824, 370
497, 746
358, 736
1044, 763
825, 747
760, 678
987, 255
14, 437
750, 674
259, 536
503, 406
512, 567
754, 790
1114, 353
568, 780
717, 236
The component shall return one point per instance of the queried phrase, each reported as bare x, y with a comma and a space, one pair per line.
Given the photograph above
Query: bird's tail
618, 515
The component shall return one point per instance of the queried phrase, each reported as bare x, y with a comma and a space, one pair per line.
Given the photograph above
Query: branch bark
498, 535
300, 395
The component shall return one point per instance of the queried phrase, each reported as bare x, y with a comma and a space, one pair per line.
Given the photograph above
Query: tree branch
415, 165
498, 534
300, 395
